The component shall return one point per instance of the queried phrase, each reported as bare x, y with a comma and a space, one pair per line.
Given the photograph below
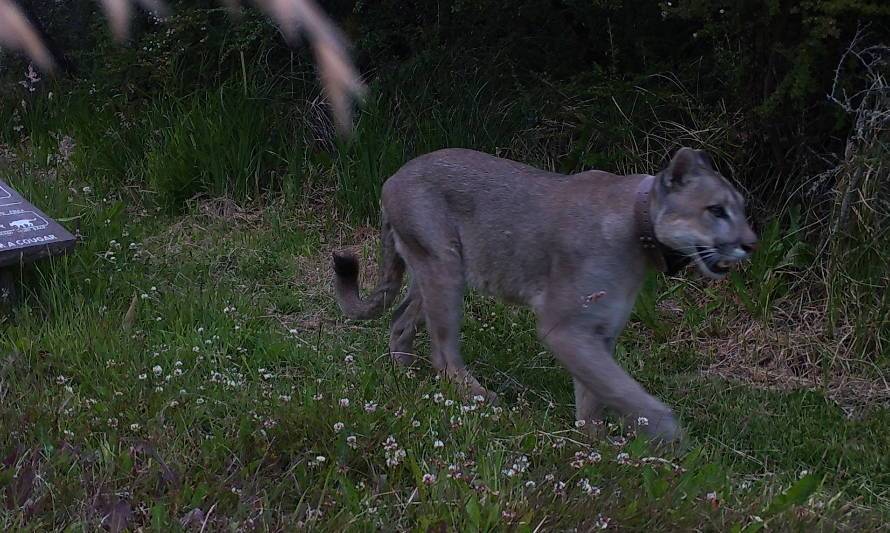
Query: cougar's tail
346, 270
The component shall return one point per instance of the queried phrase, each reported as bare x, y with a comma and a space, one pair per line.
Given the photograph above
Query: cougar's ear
706, 160
680, 170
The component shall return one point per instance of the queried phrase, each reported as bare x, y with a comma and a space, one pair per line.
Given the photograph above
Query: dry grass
795, 350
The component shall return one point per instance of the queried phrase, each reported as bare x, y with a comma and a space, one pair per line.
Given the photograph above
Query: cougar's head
698, 213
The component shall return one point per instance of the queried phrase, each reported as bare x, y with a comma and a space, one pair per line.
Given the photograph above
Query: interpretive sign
26, 233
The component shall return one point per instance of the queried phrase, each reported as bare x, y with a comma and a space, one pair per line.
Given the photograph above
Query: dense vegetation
201, 169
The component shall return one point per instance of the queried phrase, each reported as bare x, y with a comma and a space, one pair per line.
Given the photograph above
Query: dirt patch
794, 351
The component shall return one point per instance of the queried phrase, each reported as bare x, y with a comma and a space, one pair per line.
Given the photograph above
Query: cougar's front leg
588, 408
588, 359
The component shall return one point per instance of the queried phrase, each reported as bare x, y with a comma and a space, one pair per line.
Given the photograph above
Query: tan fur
566, 246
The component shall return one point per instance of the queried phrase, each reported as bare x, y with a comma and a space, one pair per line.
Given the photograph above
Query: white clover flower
142, 376
370, 407
642, 421
438, 444
157, 370
580, 423
429, 479
591, 490
344, 402
394, 454
351, 441
438, 397
338, 427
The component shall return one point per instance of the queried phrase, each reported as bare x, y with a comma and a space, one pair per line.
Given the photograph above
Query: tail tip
345, 265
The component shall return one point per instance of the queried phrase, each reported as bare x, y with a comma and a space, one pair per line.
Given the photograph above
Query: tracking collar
661, 257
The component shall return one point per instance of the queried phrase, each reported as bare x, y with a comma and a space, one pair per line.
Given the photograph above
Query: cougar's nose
749, 241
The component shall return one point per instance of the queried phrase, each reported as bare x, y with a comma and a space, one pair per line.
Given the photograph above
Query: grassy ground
192, 371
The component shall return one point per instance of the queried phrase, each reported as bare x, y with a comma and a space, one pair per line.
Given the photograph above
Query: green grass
225, 391
186, 364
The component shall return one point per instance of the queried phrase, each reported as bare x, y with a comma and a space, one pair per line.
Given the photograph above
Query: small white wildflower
622, 458
344, 402
134, 427
580, 423
199, 401
394, 454
642, 421
438, 397
438, 444
338, 427
370, 407
429, 479
602, 522
530, 484
415, 423
351, 441
142, 376
349, 359
479, 398
591, 490
157, 370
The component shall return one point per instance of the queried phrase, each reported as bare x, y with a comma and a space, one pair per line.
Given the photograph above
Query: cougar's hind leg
442, 289
406, 320
426, 240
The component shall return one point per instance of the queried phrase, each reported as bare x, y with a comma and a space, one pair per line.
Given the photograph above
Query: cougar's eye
718, 211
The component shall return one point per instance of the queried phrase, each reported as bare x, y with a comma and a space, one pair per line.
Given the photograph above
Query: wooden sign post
26, 235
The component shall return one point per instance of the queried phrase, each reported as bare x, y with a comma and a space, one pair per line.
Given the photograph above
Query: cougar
573, 248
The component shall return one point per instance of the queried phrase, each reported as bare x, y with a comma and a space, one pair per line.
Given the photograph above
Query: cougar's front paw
661, 427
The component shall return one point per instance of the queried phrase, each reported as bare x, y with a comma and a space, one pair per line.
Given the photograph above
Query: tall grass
218, 142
